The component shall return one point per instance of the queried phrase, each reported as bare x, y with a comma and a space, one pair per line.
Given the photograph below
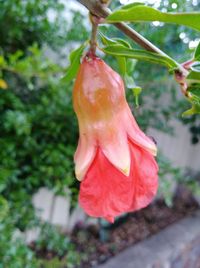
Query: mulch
97, 243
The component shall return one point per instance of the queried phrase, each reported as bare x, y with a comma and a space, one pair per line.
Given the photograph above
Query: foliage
51, 239
139, 12
72, 260
13, 251
74, 58
169, 176
37, 124
24, 22
122, 51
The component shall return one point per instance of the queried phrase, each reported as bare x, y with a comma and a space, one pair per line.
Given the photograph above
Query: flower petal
114, 144
136, 135
146, 178
106, 192
84, 156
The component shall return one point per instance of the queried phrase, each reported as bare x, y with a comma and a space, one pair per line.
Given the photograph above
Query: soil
97, 243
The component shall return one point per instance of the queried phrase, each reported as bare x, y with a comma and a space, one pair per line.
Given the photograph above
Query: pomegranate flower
114, 159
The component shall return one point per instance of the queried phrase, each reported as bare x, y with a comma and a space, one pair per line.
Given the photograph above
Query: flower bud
114, 159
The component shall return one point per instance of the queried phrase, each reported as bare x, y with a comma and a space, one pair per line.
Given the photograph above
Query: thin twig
138, 38
96, 8
93, 39
100, 10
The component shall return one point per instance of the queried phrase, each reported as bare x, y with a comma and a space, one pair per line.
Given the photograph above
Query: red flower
114, 159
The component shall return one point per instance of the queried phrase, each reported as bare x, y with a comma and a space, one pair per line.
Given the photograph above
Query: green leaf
194, 98
122, 42
4, 208
131, 63
106, 40
136, 92
75, 53
132, 5
196, 66
74, 58
129, 81
13, 58
145, 13
114, 41
194, 110
193, 77
130, 84
195, 91
2, 61
197, 52
122, 65
119, 50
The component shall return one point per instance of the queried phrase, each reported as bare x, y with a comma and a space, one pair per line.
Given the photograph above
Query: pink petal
136, 135
106, 192
146, 178
114, 145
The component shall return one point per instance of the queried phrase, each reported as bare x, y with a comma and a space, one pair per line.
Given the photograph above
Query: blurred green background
38, 128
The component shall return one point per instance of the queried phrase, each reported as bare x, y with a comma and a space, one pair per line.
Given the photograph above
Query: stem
100, 10
93, 40
138, 38
96, 8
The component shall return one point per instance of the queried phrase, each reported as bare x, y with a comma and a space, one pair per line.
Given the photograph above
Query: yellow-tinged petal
114, 145
136, 135
83, 157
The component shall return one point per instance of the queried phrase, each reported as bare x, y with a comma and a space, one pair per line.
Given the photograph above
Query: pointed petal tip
117, 150
79, 178
126, 171
79, 175
153, 150
84, 155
